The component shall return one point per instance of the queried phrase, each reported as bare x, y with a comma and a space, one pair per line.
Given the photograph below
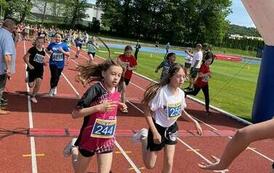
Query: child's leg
168, 158
206, 94
36, 86
82, 163
149, 157
241, 140
104, 162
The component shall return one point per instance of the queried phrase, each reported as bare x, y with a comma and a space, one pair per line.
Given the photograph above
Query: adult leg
104, 162
206, 94
3, 81
168, 158
240, 141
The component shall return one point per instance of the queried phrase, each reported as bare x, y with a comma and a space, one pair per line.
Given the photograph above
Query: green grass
230, 51
232, 86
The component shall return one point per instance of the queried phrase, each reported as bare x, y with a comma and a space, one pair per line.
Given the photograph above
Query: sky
239, 15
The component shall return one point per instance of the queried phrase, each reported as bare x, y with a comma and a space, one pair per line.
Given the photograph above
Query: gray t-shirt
7, 47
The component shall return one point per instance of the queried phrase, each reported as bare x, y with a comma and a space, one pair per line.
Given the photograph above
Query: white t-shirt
167, 108
198, 56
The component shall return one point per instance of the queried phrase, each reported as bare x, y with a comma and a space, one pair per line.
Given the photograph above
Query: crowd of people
164, 102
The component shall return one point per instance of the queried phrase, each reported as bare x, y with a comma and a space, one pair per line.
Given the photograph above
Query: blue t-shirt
57, 58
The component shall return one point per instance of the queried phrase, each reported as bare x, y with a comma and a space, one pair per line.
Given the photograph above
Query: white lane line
127, 157
32, 140
117, 144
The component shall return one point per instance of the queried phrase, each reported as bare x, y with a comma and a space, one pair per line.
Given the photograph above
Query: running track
52, 128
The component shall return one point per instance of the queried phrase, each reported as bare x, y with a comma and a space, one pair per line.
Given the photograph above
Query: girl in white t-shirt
164, 104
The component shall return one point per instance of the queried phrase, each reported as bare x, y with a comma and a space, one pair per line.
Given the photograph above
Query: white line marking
127, 157
32, 140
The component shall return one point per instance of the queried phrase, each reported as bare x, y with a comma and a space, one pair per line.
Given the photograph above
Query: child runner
78, 43
240, 142
35, 60
164, 104
166, 64
91, 47
129, 63
58, 52
98, 106
202, 82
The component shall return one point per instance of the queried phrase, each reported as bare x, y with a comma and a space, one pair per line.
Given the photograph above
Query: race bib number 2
174, 111
103, 128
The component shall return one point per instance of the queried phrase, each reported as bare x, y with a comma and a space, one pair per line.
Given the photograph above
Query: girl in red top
202, 82
98, 106
129, 63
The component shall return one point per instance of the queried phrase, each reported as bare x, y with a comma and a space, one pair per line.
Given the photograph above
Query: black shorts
92, 53
35, 73
126, 81
79, 45
168, 136
87, 153
194, 72
187, 65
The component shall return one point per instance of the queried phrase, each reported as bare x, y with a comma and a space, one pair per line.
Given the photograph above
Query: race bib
57, 56
39, 58
103, 128
174, 110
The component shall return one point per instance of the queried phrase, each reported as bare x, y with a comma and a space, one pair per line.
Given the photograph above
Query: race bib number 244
103, 128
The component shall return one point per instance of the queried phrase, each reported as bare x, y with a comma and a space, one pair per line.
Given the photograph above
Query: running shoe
140, 135
69, 147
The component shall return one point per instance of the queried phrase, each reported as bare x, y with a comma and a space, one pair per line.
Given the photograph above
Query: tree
18, 9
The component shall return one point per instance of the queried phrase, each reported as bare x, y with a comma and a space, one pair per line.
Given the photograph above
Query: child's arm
188, 117
156, 136
26, 59
159, 66
106, 106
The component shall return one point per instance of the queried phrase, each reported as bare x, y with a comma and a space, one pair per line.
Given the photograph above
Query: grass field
232, 86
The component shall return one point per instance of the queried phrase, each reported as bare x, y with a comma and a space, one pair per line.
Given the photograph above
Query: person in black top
137, 47
35, 60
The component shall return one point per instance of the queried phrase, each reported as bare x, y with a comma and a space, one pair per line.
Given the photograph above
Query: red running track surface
52, 116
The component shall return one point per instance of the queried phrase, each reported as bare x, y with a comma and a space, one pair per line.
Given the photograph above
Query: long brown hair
152, 90
90, 72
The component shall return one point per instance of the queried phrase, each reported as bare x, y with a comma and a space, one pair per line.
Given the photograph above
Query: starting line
68, 132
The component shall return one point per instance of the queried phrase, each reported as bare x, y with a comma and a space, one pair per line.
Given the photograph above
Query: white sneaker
69, 147
51, 92
142, 134
33, 99
55, 91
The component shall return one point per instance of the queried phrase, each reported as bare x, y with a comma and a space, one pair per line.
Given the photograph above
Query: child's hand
30, 66
122, 106
157, 139
106, 106
198, 128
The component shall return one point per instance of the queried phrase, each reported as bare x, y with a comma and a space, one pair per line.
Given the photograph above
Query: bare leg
104, 162
240, 141
36, 87
168, 158
82, 163
149, 157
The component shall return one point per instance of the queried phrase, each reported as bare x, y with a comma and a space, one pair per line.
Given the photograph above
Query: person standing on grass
35, 60
7, 59
164, 103
195, 65
240, 142
58, 52
98, 106
129, 63
137, 48
202, 83
166, 64
188, 60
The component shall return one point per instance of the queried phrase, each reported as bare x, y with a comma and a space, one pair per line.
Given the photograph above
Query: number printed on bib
57, 56
39, 58
103, 128
174, 110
